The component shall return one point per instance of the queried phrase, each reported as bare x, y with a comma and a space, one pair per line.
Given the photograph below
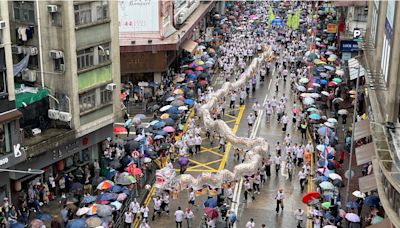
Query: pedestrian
232, 218
144, 224
247, 190
189, 217
280, 196
256, 183
302, 178
276, 85
268, 164
284, 120
242, 96
192, 197
197, 141
165, 202
156, 207
289, 168
222, 144
277, 161
179, 215
233, 100
303, 130
229, 194
128, 218
299, 215
255, 108
144, 210
250, 223
134, 206
250, 120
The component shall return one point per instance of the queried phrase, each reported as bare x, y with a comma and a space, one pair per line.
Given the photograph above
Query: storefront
64, 158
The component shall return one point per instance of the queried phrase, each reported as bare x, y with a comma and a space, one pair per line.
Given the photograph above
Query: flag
271, 15
296, 20
289, 20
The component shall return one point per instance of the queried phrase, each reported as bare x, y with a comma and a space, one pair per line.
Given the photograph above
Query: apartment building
60, 79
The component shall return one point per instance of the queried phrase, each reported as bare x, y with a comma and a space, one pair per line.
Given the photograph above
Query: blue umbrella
107, 197
315, 116
169, 122
154, 122
111, 174
323, 82
44, 216
352, 204
277, 22
371, 201
74, 223
330, 68
173, 110
88, 199
140, 116
188, 101
191, 76
210, 202
322, 131
17, 225
161, 133
322, 178
115, 189
126, 190
159, 125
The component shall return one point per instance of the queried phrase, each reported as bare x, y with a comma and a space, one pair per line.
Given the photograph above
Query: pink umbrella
342, 213
121, 197
169, 129
199, 68
295, 110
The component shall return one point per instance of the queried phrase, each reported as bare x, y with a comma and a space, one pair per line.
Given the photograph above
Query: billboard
138, 16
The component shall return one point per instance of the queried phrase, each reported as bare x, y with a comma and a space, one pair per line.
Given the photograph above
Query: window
83, 14
102, 10
33, 62
59, 65
24, 11
87, 101
374, 24
104, 53
3, 82
56, 19
5, 139
361, 14
85, 58
105, 96
385, 57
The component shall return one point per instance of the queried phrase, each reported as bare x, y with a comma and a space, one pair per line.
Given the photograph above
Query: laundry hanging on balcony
19, 67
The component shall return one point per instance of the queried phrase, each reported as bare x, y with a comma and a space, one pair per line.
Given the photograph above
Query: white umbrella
170, 99
343, 112
301, 88
82, 211
315, 95
303, 80
359, 194
165, 108
320, 147
330, 125
329, 226
351, 217
337, 100
325, 93
339, 72
147, 160
308, 101
332, 120
183, 108
335, 176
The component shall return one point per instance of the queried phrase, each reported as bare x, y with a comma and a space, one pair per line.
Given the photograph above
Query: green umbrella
312, 109
303, 80
337, 80
326, 205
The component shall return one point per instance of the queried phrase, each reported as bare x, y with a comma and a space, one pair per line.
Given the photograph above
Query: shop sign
348, 45
331, 28
138, 16
3, 161
356, 34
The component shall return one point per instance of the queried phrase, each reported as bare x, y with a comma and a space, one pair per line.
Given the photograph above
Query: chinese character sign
138, 16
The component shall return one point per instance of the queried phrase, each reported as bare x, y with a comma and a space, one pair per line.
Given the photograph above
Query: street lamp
29, 171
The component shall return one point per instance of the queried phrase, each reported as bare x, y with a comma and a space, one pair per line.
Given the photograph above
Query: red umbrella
188, 72
211, 212
203, 82
119, 129
133, 170
180, 98
310, 196
332, 83
198, 68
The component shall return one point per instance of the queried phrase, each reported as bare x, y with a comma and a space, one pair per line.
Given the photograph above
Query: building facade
62, 76
381, 58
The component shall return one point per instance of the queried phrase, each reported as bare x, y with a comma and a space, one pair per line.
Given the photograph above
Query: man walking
179, 215
299, 214
279, 199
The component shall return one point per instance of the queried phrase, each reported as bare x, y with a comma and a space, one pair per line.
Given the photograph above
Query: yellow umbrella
316, 61
331, 59
164, 116
178, 91
321, 63
200, 62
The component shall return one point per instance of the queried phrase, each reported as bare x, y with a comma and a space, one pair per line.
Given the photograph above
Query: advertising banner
138, 16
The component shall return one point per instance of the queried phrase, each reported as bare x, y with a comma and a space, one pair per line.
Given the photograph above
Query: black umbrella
338, 183
125, 160
75, 186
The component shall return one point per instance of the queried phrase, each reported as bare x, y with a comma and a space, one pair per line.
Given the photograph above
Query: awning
353, 69
362, 129
384, 224
28, 95
367, 183
189, 45
365, 153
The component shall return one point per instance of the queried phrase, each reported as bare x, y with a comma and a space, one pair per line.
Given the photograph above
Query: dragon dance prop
256, 148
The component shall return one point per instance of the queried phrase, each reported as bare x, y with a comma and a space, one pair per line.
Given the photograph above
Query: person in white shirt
197, 143
302, 178
277, 161
144, 224
192, 197
229, 193
157, 207
250, 223
299, 214
145, 212
250, 120
134, 207
179, 215
189, 217
128, 218
242, 96
255, 108
280, 196
256, 183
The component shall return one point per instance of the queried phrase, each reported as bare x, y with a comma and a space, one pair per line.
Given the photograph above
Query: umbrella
337, 100
169, 129
308, 101
352, 92
339, 72
133, 170
351, 217
107, 197
376, 219
17, 225
330, 125
342, 213
371, 201
203, 82
332, 83
140, 138
177, 103
303, 80
140, 116
180, 79
316, 212
210, 212
326, 205
83, 210
321, 147
310, 197
198, 68
324, 130
358, 194
76, 223
164, 116
337, 80
117, 205
159, 137
71, 200
125, 179
170, 99
174, 110
136, 121
75, 186
301, 88
104, 210
93, 222
183, 161
314, 116
88, 199
147, 160
327, 185
328, 216
97, 180
165, 108
161, 133
121, 197
325, 93
210, 202
44, 216
188, 101
332, 120
169, 122
352, 204
115, 189
159, 125
119, 129
330, 68
93, 209
343, 112
315, 95
322, 179
312, 109
183, 108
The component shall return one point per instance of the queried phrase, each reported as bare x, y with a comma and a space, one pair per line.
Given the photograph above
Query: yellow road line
208, 163
230, 121
146, 202
234, 130
202, 165
211, 151
310, 181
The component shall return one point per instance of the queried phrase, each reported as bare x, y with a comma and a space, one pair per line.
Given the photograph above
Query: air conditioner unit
29, 75
55, 54
52, 8
53, 114
31, 50
2, 24
65, 116
111, 86
17, 49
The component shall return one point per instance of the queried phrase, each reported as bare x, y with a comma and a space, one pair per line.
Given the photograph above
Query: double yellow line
310, 186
